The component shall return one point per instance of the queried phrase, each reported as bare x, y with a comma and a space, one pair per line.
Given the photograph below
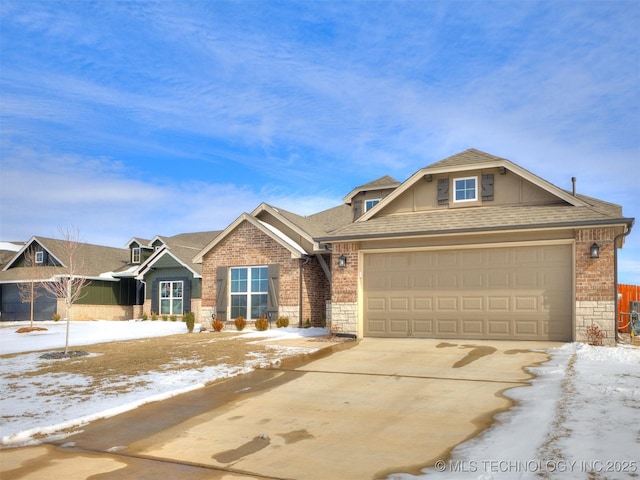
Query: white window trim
377, 200
249, 292
475, 199
136, 252
170, 298
40, 257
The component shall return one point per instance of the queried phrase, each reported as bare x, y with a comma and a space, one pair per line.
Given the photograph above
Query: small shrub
154, 316
218, 325
262, 324
307, 324
165, 317
190, 319
145, 317
282, 322
55, 317
240, 323
595, 335
173, 318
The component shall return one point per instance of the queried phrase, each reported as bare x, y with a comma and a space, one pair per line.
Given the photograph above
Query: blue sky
136, 118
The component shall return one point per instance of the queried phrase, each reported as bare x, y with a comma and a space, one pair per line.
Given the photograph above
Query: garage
519, 292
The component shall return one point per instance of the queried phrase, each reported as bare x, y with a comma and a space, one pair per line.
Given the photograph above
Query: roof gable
473, 160
294, 248
383, 183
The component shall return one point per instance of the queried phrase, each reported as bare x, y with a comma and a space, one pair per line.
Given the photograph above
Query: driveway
380, 407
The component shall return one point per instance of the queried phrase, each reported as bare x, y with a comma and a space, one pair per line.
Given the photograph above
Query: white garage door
520, 293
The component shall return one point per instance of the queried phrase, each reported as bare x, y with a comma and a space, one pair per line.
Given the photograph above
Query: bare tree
69, 280
27, 290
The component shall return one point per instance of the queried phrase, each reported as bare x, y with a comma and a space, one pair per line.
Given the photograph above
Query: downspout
303, 261
615, 276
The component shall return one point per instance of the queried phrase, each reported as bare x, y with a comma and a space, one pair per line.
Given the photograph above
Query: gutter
458, 231
615, 276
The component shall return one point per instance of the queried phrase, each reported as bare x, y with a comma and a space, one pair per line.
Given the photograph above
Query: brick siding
595, 281
343, 311
249, 246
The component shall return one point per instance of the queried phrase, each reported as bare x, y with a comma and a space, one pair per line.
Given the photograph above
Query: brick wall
249, 246
344, 289
595, 281
96, 312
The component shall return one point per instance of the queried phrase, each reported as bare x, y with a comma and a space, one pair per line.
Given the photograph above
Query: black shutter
272, 297
443, 191
154, 297
487, 187
186, 294
221, 293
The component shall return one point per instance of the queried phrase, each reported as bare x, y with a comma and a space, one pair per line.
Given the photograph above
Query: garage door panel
499, 327
498, 304
447, 303
472, 304
399, 304
520, 292
422, 304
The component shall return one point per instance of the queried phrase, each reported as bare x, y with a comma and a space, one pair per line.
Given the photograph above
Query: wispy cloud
140, 102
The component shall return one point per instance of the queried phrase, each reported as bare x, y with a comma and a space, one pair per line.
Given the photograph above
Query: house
168, 282
470, 247
43, 259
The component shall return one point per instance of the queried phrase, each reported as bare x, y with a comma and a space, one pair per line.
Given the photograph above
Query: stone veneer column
595, 282
343, 314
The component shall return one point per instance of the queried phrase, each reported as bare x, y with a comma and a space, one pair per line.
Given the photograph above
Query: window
369, 204
466, 189
40, 257
135, 255
249, 292
171, 298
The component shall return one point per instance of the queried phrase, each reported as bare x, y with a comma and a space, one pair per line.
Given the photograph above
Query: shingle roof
468, 157
184, 247
321, 223
95, 260
480, 219
378, 184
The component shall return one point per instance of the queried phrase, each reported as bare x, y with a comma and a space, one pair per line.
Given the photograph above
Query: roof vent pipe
573, 182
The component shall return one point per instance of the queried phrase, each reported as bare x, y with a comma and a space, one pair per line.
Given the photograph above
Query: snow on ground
35, 407
579, 419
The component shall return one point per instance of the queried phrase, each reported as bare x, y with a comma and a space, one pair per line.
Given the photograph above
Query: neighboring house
471, 247
105, 297
168, 282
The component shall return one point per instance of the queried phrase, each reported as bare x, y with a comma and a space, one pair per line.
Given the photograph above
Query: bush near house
218, 325
262, 323
282, 322
240, 323
190, 319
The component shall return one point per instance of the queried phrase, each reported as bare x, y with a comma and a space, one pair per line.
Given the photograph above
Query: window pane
239, 279
177, 290
466, 189
238, 306
258, 305
177, 307
165, 307
165, 289
369, 204
259, 279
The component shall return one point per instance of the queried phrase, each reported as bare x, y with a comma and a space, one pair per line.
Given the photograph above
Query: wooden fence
626, 294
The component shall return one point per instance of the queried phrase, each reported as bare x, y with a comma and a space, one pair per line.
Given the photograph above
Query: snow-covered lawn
37, 406
579, 419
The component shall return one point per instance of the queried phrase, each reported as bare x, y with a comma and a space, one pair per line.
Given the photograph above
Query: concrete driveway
383, 406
